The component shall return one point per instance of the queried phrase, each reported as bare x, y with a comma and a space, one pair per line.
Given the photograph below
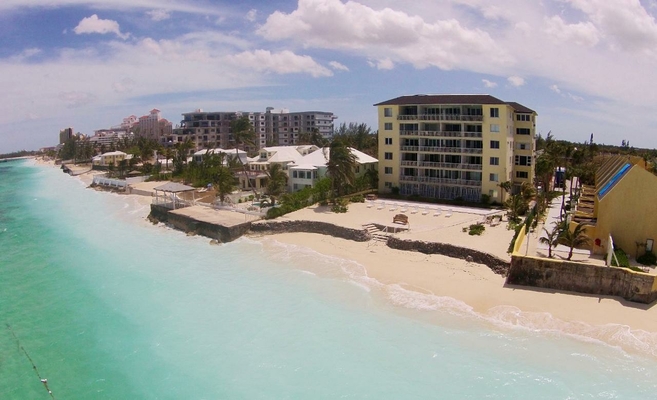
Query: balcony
446, 181
439, 117
431, 133
406, 163
429, 164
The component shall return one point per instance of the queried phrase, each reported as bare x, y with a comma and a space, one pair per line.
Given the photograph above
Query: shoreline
614, 321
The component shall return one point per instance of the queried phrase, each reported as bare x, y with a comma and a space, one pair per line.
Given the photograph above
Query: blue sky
586, 66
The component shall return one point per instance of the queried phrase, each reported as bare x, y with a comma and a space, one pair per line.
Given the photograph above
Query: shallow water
109, 306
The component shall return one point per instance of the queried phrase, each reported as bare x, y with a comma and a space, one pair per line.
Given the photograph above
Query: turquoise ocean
109, 306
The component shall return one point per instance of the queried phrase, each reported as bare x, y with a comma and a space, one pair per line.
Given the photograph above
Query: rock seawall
496, 264
582, 278
324, 228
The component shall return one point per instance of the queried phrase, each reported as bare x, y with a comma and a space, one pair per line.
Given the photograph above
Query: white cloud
386, 35
252, 15
159, 14
94, 24
338, 67
171, 5
125, 85
583, 33
555, 89
489, 84
626, 22
385, 64
575, 97
284, 62
516, 81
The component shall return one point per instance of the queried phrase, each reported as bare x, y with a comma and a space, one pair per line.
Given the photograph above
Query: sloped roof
520, 108
173, 187
114, 153
443, 99
283, 153
218, 150
321, 157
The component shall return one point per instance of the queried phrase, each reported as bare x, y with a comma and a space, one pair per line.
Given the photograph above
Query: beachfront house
621, 206
110, 158
312, 167
258, 166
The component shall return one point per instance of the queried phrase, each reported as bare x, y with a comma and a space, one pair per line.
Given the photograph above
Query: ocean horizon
110, 306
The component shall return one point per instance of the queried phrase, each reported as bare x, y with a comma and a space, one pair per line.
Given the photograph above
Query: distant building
152, 126
65, 134
110, 158
455, 146
258, 166
129, 122
283, 127
272, 127
229, 155
108, 137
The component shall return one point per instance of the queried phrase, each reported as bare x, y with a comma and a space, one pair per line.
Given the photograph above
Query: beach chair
425, 211
393, 207
449, 213
381, 205
414, 210
370, 204
438, 212
404, 208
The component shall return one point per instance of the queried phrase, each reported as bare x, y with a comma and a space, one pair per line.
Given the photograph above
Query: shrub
340, 206
622, 258
476, 229
357, 199
485, 199
648, 258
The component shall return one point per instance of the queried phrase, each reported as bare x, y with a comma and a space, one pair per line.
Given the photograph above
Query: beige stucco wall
629, 211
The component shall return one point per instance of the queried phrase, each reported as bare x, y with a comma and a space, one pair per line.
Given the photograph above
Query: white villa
258, 166
312, 167
230, 154
110, 158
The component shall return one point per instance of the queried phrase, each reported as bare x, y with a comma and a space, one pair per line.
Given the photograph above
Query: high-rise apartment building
455, 146
152, 126
272, 127
65, 134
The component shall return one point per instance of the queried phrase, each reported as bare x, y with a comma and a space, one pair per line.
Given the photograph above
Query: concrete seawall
188, 224
578, 277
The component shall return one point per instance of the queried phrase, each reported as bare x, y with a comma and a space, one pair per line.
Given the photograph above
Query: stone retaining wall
324, 228
496, 264
577, 277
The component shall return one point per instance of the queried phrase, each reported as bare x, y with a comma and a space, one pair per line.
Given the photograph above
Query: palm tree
243, 134
224, 182
517, 207
551, 238
277, 182
506, 186
576, 238
340, 167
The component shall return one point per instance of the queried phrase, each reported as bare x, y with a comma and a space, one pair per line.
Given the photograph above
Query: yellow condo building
455, 146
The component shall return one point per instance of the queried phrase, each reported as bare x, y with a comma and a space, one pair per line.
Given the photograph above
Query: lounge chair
404, 208
414, 210
438, 212
381, 205
393, 207
449, 213
425, 211
370, 204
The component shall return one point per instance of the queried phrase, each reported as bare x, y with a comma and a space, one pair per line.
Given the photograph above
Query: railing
439, 117
430, 164
431, 149
431, 133
406, 163
427, 179
472, 134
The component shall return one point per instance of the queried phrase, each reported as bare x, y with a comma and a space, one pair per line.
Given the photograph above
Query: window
522, 174
523, 117
294, 174
492, 193
524, 160
387, 126
522, 146
494, 128
494, 178
387, 156
494, 161
388, 140
494, 112
387, 184
388, 170
387, 112
523, 131
494, 144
